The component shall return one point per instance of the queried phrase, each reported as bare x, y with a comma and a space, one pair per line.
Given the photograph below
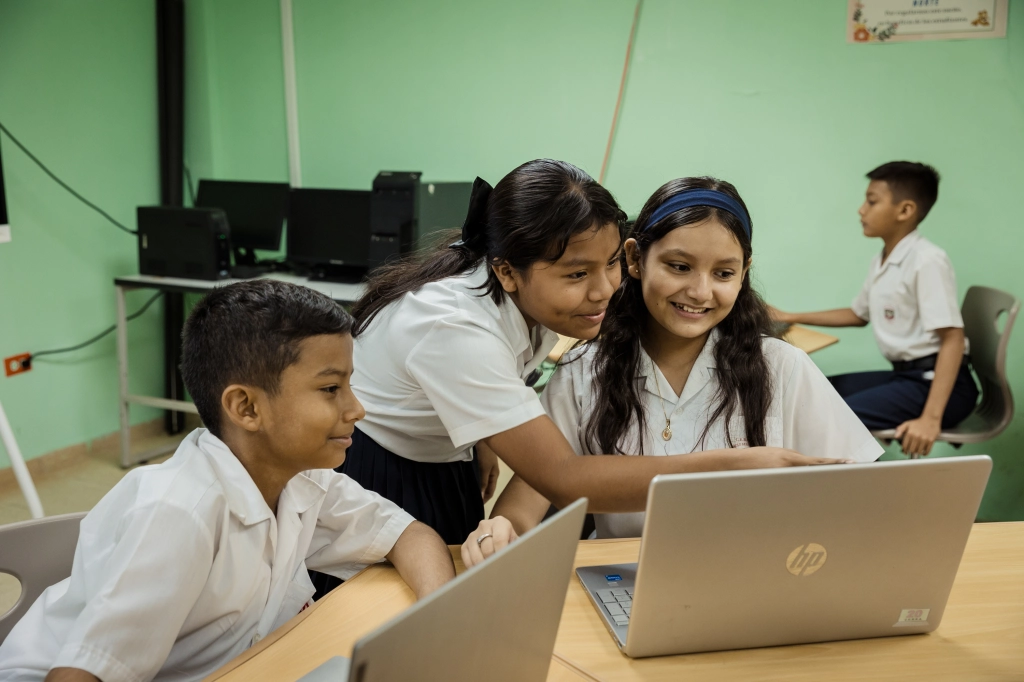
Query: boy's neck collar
269, 479
891, 243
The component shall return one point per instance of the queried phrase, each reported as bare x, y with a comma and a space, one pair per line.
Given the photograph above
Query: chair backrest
39, 553
981, 310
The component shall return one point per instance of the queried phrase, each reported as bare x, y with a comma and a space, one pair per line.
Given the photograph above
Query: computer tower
440, 206
192, 243
393, 215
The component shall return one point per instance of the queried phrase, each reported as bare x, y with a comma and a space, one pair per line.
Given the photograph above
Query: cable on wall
99, 336
62, 183
622, 90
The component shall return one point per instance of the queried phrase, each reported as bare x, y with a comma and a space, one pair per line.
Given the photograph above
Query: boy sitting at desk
910, 295
186, 564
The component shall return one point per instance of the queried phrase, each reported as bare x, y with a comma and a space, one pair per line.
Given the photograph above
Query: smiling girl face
690, 277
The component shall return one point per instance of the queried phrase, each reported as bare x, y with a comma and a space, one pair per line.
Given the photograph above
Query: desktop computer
256, 212
393, 215
329, 232
192, 243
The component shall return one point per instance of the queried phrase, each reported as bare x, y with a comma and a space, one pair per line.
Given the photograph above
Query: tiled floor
76, 488
80, 487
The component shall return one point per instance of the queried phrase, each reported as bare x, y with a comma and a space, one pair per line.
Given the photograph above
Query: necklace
666, 434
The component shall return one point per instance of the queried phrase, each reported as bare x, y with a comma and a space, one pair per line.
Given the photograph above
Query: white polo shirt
908, 297
806, 414
444, 367
183, 566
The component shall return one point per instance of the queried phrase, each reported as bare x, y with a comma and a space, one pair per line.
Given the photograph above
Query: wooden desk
981, 636
806, 339
332, 626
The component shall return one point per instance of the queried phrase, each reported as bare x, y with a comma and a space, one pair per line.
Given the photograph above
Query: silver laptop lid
496, 622
731, 560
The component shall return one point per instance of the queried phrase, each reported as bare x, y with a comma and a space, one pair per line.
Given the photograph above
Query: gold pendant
667, 433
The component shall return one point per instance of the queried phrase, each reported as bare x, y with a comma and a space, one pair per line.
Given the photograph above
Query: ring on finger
483, 537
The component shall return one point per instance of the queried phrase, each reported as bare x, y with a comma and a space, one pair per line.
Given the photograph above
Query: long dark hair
743, 375
529, 216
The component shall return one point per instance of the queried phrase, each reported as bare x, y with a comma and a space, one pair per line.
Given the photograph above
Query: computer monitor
329, 231
440, 206
256, 212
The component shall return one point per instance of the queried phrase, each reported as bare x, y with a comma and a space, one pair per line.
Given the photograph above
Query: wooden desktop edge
806, 339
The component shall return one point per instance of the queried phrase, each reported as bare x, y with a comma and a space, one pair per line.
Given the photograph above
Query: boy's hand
497, 533
917, 436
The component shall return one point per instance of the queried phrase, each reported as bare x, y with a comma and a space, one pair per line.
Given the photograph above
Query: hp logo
806, 559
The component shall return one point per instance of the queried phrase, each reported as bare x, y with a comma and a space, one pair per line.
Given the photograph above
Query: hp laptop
496, 622
741, 559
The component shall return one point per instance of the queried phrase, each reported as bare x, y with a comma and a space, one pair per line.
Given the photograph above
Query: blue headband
701, 197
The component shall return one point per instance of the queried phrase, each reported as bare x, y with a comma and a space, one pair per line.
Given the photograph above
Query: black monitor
329, 232
256, 212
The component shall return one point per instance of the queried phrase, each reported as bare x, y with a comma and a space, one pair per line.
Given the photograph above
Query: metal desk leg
122, 376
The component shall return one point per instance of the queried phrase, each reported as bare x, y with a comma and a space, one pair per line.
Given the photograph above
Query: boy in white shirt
184, 565
911, 297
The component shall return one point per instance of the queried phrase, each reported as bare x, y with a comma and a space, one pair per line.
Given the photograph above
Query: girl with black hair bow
686, 360
444, 345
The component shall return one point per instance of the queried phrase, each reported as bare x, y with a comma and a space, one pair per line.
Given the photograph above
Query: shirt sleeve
562, 404
817, 422
470, 377
356, 527
861, 305
936, 294
145, 587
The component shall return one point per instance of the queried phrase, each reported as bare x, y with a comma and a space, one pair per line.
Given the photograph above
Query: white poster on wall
881, 21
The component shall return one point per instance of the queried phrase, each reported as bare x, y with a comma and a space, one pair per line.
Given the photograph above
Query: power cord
188, 183
64, 184
27, 362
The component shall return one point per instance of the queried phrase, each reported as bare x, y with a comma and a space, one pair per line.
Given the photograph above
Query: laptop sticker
912, 617
614, 577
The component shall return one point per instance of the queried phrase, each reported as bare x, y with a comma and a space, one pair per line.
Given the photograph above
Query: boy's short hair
248, 333
918, 182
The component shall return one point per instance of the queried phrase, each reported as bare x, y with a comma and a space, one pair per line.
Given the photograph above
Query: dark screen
3, 197
255, 210
329, 227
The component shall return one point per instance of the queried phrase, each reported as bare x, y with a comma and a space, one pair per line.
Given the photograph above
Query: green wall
78, 88
766, 95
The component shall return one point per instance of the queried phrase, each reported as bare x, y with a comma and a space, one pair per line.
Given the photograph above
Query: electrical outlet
17, 364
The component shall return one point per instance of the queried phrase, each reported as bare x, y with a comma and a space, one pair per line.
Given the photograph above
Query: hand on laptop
770, 458
489, 537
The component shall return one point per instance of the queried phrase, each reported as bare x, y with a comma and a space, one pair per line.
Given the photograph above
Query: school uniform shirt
444, 367
806, 414
908, 297
183, 566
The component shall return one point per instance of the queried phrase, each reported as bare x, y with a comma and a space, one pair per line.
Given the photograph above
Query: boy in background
186, 564
910, 297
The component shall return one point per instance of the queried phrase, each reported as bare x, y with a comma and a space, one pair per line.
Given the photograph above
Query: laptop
742, 559
496, 622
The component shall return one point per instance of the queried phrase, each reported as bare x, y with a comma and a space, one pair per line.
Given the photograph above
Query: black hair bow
474, 230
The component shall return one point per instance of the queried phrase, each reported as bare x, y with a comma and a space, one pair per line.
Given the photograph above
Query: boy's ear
240, 404
506, 275
906, 210
632, 250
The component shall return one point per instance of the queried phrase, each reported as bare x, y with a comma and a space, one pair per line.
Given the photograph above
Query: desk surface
981, 636
806, 339
339, 291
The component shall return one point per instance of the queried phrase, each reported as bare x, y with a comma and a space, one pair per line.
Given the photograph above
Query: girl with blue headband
686, 361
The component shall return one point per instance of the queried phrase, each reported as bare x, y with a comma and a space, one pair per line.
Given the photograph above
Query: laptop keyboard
617, 603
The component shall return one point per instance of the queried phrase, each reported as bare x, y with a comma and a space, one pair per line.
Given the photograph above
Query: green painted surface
78, 87
766, 95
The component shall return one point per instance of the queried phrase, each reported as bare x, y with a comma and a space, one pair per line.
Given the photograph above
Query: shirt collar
702, 372
243, 497
902, 249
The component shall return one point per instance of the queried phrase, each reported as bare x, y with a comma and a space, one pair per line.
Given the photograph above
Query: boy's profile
910, 297
184, 565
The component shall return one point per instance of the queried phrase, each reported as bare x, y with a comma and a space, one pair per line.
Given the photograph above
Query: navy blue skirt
444, 496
